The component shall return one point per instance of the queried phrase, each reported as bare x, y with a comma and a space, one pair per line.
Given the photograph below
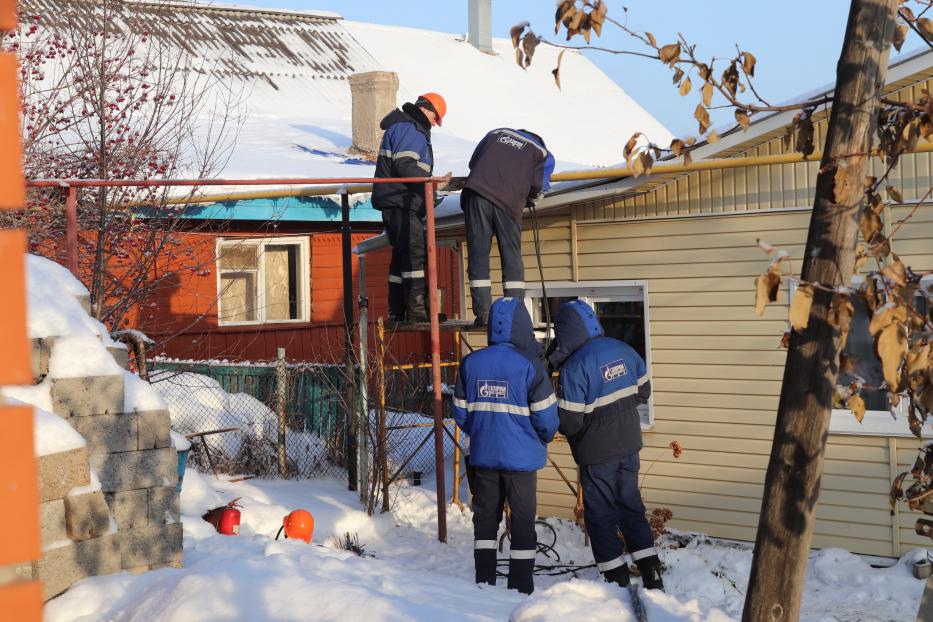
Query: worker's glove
532, 201
453, 184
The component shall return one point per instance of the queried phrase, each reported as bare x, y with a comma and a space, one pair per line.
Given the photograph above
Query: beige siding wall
717, 375
716, 367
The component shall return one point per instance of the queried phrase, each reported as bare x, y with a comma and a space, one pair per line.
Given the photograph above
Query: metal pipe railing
70, 187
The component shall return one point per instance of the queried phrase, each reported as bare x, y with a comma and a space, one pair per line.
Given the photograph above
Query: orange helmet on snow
437, 103
299, 524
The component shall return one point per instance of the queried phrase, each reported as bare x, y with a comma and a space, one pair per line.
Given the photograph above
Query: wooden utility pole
281, 392
792, 484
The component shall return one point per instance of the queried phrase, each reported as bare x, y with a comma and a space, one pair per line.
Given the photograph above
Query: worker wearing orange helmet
406, 151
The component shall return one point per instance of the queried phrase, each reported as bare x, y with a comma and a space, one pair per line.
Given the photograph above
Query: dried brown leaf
670, 53
712, 137
685, 86
840, 317
630, 145
896, 272
926, 28
897, 490
748, 63
891, 347
529, 43
637, 166
900, 35
677, 147
701, 114
556, 71
651, 39
516, 33
707, 93
894, 194
920, 359
766, 287
800, 307
687, 157
869, 224
804, 143
857, 405
742, 117
678, 74
646, 161
765, 246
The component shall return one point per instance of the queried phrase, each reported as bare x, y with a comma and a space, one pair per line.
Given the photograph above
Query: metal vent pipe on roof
479, 25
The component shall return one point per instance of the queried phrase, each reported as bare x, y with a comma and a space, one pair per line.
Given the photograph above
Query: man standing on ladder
406, 151
503, 400
602, 381
508, 171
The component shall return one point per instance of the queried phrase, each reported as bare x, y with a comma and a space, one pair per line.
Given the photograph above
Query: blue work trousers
612, 503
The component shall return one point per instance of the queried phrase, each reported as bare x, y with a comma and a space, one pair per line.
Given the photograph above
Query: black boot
396, 302
417, 309
618, 575
650, 569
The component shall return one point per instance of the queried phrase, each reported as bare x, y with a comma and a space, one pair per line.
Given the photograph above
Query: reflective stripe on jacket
405, 151
602, 381
503, 398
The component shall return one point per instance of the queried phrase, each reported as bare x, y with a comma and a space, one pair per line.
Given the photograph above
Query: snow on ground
411, 576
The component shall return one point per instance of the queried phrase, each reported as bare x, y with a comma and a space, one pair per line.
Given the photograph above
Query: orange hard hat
437, 102
299, 524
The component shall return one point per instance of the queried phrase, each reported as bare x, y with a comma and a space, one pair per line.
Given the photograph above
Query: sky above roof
797, 42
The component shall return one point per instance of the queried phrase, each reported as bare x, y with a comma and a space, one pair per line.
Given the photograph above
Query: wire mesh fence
231, 412
235, 409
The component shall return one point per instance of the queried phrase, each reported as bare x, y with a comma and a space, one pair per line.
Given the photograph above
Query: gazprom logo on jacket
505, 139
493, 389
613, 370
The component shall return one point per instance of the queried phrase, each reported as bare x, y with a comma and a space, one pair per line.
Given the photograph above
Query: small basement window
622, 309
262, 280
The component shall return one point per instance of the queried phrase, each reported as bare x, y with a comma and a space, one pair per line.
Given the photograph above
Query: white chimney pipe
479, 24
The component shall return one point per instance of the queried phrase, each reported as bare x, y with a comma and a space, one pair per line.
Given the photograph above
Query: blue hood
576, 323
509, 322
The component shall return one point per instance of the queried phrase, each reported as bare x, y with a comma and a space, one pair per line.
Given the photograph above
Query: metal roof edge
239, 8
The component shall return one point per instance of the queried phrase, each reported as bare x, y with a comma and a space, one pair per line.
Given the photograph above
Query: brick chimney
479, 25
373, 94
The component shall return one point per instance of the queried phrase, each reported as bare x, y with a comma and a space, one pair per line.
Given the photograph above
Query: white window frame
875, 422
304, 279
603, 291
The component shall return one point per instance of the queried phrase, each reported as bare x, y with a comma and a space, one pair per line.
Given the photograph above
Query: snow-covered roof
292, 70
585, 123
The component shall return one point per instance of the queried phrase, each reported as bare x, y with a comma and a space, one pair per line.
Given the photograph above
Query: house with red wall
264, 269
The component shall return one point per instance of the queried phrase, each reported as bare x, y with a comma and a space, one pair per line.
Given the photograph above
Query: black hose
547, 307
549, 551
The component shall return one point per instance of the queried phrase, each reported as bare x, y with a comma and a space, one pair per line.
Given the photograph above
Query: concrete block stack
112, 505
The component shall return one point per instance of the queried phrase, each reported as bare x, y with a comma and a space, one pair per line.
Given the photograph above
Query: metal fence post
363, 433
71, 228
435, 363
352, 440
281, 377
381, 376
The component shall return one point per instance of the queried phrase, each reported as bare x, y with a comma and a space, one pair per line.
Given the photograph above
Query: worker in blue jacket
504, 401
602, 381
405, 151
509, 169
